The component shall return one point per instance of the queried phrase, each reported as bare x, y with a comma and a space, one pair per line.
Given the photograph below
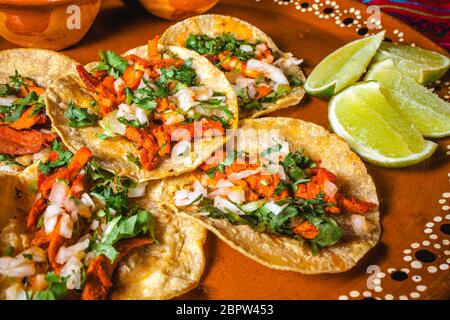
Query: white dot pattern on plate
351, 17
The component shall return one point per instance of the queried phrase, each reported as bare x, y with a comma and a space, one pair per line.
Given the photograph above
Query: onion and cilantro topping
22, 119
146, 100
258, 77
81, 224
283, 193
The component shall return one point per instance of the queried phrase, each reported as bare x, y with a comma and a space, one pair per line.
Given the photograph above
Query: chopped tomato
265, 185
263, 91
306, 229
233, 63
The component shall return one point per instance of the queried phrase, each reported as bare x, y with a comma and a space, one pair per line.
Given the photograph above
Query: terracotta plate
413, 257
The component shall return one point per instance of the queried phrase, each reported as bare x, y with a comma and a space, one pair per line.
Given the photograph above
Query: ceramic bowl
177, 9
49, 24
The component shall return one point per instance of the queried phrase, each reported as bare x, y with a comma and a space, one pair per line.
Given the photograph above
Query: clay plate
413, 257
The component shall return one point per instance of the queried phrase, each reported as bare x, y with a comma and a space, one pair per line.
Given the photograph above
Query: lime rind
369, 154
429, 113
352, 60
423, 65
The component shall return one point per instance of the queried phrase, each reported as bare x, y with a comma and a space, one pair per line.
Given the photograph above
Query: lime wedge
429, 114
363, 117
423, 65
342, 67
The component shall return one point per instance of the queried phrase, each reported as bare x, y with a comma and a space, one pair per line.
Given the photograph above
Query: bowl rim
38, 3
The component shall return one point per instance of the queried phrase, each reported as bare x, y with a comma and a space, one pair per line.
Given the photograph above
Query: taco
299, 201
139, 112
264, 78
24, 126
79, 232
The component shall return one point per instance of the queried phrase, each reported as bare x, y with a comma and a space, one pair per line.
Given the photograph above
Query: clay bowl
177, 9
49, 24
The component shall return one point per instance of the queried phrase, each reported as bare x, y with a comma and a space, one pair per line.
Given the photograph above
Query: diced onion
179, 150
7, 168
126, 111
94, 224
141, 116
60, 190
236, 195
137, 191
51, 217
274, 208
41, 155
222, 183
261, 47
174, 119
243, 82
17, 267
66, 226
252, 91
276, 169
202, 93
72, 270
269, 71
287, 61
117, 84
360, 224
329, 188
246, 48
15, 292
226, 206
252, 206
243, 174
8, 100
111, 125
87, 200
64, 254
185, 198
184, 99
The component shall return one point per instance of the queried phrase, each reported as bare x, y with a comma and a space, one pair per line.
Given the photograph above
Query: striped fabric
431, 17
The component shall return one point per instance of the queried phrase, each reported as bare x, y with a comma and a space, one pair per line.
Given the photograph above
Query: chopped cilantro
114, 64
64, 157
79, 117
228, 161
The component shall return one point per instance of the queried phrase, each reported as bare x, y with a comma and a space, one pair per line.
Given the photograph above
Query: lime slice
342, 67
364, 118
429, 114
423, 65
